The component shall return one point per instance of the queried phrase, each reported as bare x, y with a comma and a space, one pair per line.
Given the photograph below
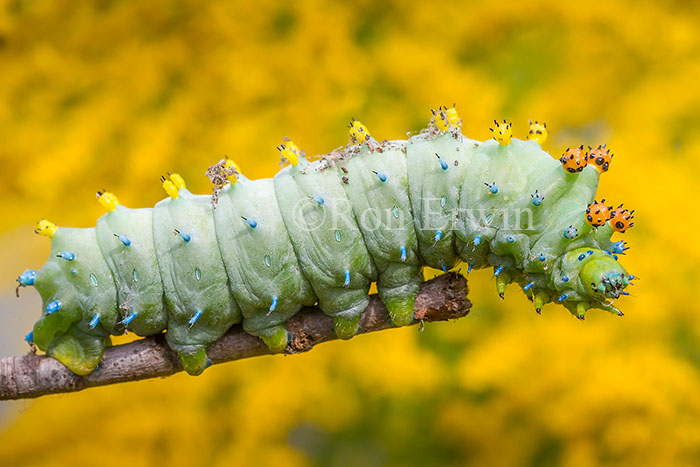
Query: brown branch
29, 376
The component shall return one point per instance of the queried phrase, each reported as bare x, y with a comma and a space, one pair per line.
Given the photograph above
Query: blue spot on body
542, 257
528, 286
498, 271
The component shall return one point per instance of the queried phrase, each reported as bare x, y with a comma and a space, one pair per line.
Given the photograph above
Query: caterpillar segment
322, 231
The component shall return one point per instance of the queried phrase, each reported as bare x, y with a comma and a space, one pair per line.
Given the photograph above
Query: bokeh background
111, 94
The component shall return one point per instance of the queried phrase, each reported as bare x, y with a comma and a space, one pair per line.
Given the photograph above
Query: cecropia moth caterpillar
322, 231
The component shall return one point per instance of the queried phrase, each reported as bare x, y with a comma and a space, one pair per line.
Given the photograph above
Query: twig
30, 376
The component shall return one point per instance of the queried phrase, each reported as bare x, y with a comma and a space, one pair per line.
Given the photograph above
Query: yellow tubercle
503, 133
108, 200
538, 132
440, 119
453, 116
358, 132
233, 168
169, 188
288, 153
45, 228
178, 181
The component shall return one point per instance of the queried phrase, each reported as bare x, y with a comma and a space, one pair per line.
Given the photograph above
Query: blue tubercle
619, 247
274, 304
318, 200
528, 286
380, 176
493, 189
403, 253
438, 236
124, 239
67, 255
251, 222
29, 337
129, 318
477, 240
347, 279
185, 236
510, 239
469, 268
27, 277
570, 232
93, 322
53, 307
443, 162
542, 257
537, 198
562, 297
194, 318
498, 271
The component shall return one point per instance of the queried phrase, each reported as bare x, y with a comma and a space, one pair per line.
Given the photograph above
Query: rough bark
30, 376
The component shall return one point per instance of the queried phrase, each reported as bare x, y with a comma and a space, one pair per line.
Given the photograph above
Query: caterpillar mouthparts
256, 251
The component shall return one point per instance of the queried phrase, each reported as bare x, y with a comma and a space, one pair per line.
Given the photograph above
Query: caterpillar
322, 230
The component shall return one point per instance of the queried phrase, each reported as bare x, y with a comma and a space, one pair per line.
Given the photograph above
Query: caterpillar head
602, 276
574, 159
600, 158
621, 219
597, 214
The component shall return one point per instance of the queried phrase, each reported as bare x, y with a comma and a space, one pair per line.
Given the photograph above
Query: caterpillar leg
398, 288
275, 338
79, 351
269, 327
194, 358
345, 306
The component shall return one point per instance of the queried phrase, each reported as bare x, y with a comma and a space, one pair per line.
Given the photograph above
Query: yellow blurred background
110, 94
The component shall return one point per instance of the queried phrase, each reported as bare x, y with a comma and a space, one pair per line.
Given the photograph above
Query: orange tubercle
574, 159
597, 214
600, 158
621, 219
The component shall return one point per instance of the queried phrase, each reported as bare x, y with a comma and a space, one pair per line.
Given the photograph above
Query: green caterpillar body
322, 232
